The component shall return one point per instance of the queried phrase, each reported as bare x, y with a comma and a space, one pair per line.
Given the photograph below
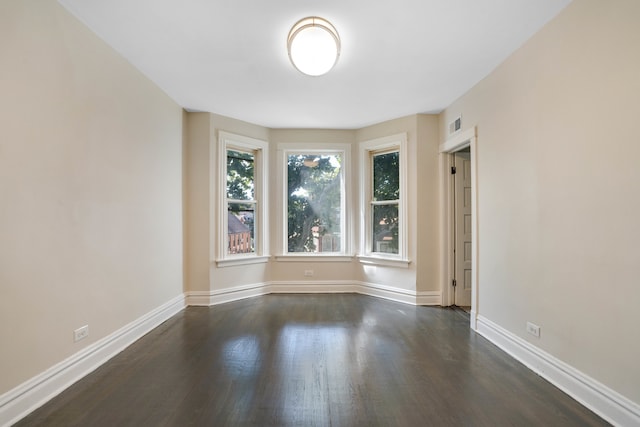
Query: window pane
240, 175
314, 202
386, 176
385, 229
240, 226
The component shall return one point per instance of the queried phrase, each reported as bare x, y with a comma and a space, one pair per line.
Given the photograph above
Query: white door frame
458, 141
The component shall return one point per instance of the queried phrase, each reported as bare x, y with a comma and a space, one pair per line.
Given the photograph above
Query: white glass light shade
313, 45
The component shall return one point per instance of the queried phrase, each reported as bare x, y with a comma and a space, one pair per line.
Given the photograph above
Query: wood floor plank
313, 360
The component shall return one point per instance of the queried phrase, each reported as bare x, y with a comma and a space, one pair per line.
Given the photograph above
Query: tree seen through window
314, 202
385, 202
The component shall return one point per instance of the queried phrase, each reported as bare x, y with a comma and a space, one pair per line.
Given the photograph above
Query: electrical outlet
81, 333
308, 273
533, 329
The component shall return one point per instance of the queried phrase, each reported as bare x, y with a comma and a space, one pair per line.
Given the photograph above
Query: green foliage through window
385, 202
314, 202
240, 175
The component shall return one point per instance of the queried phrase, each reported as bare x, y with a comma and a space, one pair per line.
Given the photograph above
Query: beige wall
559, 187
197, 224
427, 204
90, 190
422, 199
202, 204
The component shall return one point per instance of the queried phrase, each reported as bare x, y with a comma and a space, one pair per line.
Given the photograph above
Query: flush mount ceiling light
313, 45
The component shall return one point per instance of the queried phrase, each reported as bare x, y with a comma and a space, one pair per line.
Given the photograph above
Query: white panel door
462, 209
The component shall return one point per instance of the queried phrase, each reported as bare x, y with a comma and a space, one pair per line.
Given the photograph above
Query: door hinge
455, 283
453, 170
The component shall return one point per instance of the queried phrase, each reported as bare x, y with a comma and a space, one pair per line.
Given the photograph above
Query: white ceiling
399, 57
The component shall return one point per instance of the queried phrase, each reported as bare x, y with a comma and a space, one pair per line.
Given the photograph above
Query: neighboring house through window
241, 240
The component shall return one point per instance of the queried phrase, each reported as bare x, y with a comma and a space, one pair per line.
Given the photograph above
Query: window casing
314, 194
243, 200
383, 201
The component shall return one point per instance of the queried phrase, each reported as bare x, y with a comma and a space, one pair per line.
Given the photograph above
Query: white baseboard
608, 404
198, 298
22, 400
388, 292
313, 287
473, 320
400, 295
221, 296
207, 298
429, 298
370, 289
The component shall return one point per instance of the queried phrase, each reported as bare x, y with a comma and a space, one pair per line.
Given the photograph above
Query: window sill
231, 262
314, 258
384, 261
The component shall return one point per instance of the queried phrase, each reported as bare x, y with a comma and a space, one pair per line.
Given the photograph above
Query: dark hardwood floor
313, 360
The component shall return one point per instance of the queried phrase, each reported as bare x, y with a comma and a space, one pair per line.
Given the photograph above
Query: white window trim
284, 149
316, 257
384, 260
242, 259
228, 141
366, 148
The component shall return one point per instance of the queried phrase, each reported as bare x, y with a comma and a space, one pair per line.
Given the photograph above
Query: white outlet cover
533, 329
81, 333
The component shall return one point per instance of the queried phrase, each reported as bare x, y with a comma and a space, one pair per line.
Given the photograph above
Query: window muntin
315, 202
